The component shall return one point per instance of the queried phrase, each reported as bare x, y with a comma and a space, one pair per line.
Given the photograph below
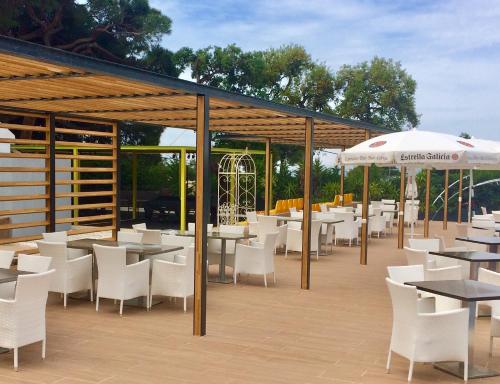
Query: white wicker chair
117, 280
404, 273
294, 239
174, 278
150, 236
130, 237
192, 226
22, 319
257, 258
448, 273
71, 275
6, 258
62, 237
426, 337
419, 257
135, 227
348, 229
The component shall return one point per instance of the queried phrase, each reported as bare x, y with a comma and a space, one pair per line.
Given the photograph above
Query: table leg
222, 278
474, 271
493, 248
456, 368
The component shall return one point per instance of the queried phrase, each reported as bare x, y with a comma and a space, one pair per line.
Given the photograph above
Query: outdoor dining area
349, 290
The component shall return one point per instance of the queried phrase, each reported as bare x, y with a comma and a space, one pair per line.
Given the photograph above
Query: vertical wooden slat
267, 187
363, 257
116, 184
52, 175
401, 212
202, 214
182, 188
134, 186
305, 280
445, 208
427, 203
459, 205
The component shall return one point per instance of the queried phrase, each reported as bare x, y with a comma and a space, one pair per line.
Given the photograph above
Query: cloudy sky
451, 48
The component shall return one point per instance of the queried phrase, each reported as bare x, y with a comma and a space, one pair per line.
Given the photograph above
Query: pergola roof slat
43, 79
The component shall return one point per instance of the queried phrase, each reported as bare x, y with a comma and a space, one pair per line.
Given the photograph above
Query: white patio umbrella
421, 149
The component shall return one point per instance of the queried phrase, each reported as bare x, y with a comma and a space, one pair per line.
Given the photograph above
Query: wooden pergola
54, 88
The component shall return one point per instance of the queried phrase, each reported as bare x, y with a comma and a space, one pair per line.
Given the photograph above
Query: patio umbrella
421, 149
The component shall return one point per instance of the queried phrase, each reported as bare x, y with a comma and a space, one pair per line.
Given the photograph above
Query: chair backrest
442, 242
430, 245
348, 217
447, 273
323, 207
6, 258
404, 300
417, 256
33, 288
487, 276
405, 273
239, 229
59, 237
57, 251
496, 216
295, 224
180, 241
251, 216
210, 227
111, 261
462, 229
268, 221
292, 209
471, 232
388, 201
33, 263
139, 226
150, 236
270, 241
130, 237
484, 210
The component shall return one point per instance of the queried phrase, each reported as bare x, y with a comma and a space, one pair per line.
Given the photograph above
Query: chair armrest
139, 267
256, 244
447, 327
79, 260
294, 231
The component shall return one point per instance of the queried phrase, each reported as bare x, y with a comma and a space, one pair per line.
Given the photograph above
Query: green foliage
379, 92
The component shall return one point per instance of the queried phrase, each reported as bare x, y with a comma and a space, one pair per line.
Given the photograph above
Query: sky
451, 48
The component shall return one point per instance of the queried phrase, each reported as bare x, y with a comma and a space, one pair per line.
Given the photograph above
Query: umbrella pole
401, 213
471, 192
427, 203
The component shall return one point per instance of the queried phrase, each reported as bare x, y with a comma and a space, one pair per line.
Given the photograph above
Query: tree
120, 31
380, 92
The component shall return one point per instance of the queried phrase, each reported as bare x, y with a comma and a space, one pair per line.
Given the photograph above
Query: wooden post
427, 203
305, 280
202, 214
363, 257
182, 188
134, 186
341, 197
268, 171
445, 208
401, 212
459, 205
51, 122
75, 187
116, 180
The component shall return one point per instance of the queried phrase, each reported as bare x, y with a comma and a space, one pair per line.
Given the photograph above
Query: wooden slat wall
17, 181
94, 173
92, 198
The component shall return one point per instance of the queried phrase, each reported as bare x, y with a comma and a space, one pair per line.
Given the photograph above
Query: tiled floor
338, 332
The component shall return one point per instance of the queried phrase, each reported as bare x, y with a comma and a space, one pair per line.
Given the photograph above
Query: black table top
136, 248
8, 275
465, 290
488, 240
214, 235
473, 256
300, 219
